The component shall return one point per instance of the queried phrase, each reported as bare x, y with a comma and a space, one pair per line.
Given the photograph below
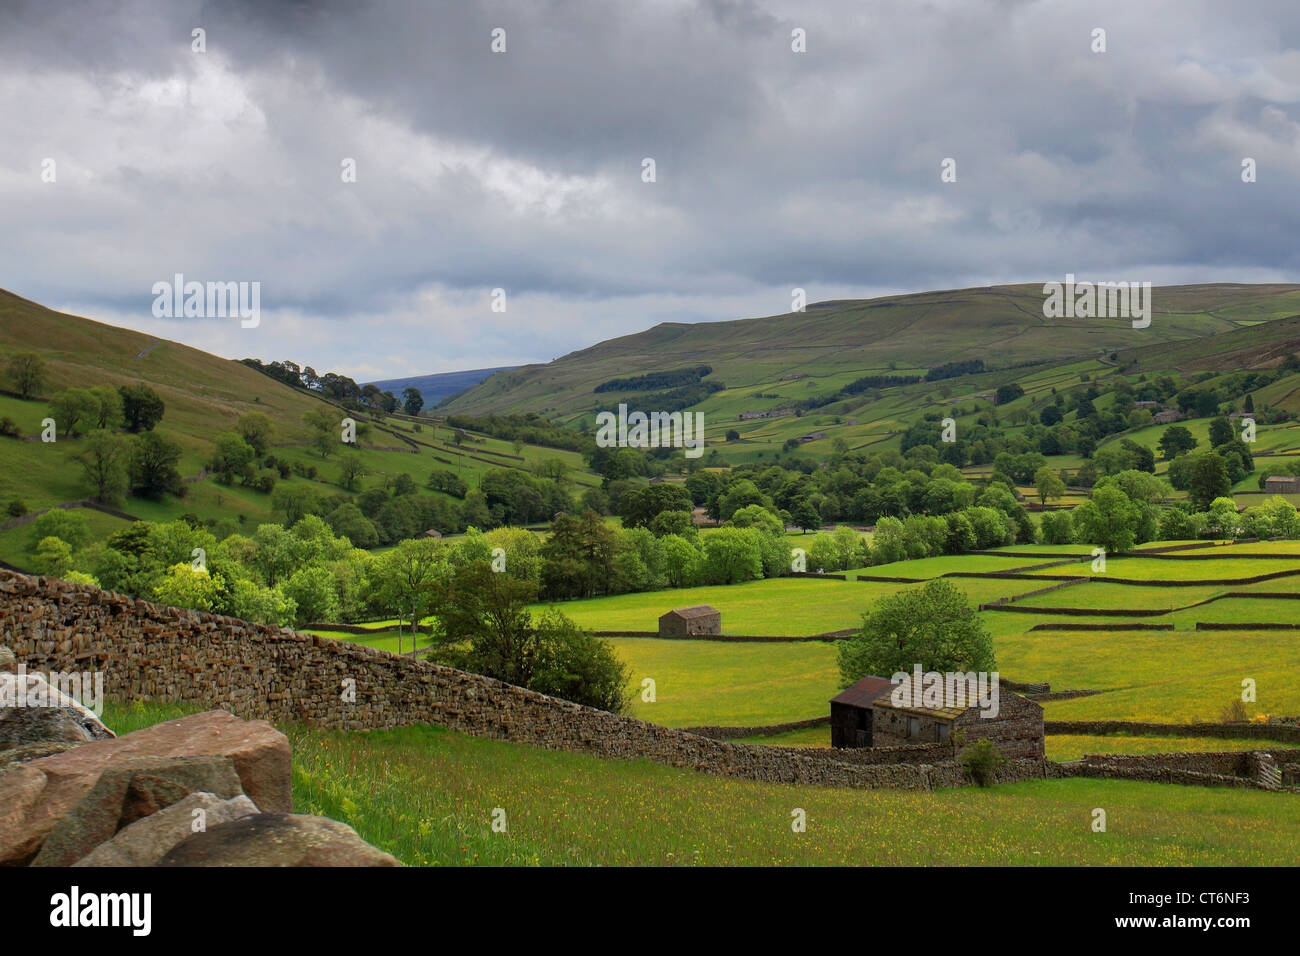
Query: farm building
1282, 485
864, 715
812, 436
431, 533
1017, 730
851, 712
1168, 416
685, 621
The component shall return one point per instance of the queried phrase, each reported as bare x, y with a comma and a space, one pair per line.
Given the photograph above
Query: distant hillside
440, 385
1002, 325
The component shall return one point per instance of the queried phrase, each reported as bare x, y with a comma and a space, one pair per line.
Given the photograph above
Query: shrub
575, 665
263, 481
186, 586
63, 523
981, 761
732, 555
17, 508
1177, 524
1235, 712
53, 557
311, 589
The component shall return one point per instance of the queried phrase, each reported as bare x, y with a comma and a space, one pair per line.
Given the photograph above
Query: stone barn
1281, 485
851, 712
1017, 730
686, 621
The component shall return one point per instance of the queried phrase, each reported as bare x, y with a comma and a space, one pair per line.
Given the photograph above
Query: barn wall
1017, 730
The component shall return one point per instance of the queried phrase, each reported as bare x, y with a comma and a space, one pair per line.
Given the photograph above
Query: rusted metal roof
864, 692
699, 610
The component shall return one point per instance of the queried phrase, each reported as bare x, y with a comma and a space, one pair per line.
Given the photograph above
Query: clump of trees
304, 572
486, 627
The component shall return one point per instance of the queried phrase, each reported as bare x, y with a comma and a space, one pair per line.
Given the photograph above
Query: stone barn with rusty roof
851, 712
690, 621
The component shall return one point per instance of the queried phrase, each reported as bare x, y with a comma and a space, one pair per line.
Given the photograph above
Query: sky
129, 155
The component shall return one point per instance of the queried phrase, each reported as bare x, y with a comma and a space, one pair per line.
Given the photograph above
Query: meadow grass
710, 682
1147, 675
1162, 676
1101, 596
1175, 569
933, 567
427, 795
783, 607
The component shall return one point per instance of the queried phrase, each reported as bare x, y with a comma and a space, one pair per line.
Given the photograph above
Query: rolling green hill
204, 395
832, 343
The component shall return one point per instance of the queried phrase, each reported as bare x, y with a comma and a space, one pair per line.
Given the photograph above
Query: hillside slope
1002, 325
204, 393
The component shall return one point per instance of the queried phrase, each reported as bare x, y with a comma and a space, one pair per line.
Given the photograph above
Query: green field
783, 607
1181, 569
1177, 675
427, 795
934, 567
735, 685
1072, 747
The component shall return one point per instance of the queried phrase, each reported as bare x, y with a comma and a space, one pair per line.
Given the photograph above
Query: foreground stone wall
146, 650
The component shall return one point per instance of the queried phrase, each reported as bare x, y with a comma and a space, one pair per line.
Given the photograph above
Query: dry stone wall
1286, 733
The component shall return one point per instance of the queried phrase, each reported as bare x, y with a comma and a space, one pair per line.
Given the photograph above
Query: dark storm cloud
522, 171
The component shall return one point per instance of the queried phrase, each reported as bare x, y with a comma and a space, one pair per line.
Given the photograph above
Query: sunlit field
426, 795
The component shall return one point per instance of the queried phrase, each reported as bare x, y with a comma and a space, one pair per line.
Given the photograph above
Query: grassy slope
427, 795
833, 342
204, 395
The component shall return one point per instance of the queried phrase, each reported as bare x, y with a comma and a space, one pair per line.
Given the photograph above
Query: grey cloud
523, 170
